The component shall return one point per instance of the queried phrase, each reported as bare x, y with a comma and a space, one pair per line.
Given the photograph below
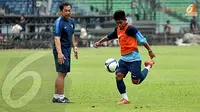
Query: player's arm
132, 31
98, 43
151, 54
57, 36
112, 35
143, 40
59, 50
58, 44
75, 48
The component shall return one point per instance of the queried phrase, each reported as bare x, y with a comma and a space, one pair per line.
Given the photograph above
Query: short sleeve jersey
65, 30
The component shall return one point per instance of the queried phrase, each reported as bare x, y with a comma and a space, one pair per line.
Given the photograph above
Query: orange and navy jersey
128, 38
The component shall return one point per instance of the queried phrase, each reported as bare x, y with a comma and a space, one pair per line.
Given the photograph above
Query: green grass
172, 85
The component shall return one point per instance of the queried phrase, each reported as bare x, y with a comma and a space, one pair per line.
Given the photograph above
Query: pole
107, 6
133, 5
164, 7
198, 10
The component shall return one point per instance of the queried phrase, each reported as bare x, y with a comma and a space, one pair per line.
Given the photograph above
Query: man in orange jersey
130, 60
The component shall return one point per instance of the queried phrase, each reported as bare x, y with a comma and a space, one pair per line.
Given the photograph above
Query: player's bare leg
59, 89
59, 83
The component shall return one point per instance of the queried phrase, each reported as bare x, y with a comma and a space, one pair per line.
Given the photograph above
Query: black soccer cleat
54, 100
64, 100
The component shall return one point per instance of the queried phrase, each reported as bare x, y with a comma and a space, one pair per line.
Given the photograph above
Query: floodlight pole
164, 7
109, 4
133, 5
198, 10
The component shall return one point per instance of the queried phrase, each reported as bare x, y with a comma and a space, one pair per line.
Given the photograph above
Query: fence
96, 26
45, 40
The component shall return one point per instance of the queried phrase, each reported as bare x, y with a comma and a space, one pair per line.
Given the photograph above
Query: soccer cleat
147, 63
124, 101
64, 100
54, 100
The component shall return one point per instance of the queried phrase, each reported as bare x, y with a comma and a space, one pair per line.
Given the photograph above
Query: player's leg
120, 74
62, 70
144, 72
59, 83
137, 75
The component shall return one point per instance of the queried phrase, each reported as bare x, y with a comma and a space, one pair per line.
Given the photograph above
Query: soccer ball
111, 65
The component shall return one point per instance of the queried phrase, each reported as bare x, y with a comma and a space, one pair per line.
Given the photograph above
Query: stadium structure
94, 19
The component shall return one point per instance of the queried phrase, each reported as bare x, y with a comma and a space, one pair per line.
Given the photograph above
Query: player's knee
136, 82
63, 75
119, 76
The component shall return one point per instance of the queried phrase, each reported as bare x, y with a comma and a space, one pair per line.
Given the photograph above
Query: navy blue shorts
64, 68
133, 67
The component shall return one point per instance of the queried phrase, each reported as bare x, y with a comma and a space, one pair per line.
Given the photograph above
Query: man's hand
61, 58
97, 44
151, 54
75, 49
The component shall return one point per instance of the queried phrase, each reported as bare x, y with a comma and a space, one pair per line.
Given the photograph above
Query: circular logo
190, 8
16, 75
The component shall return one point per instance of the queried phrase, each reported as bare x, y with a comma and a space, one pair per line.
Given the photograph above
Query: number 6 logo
15, 76
190, 8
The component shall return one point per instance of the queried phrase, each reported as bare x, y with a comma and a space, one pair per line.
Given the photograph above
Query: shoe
147, 63
54, 100
64, 100
124, 101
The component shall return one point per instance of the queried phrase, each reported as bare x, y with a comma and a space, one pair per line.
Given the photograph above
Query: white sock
124, 95
61, 96
56, 96
148, 67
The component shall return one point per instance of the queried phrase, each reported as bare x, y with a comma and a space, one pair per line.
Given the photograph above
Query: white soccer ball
111, 65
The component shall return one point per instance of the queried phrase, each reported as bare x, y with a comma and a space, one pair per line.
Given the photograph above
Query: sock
121, 86
144, 73
56, 96
61, 96
148, 67
124, 95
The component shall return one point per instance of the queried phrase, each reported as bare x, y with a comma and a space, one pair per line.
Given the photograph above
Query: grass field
172, 85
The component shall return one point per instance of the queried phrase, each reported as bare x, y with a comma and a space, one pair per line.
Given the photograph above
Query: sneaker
124, 101
147, 63
54, 100
64, 100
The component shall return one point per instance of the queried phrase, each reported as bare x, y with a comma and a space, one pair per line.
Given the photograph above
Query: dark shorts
64, 68
133, 67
